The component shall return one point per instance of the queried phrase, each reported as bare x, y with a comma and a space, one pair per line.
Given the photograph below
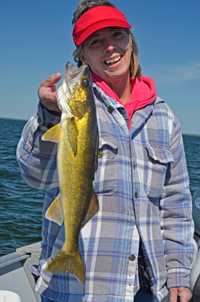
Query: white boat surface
14, 274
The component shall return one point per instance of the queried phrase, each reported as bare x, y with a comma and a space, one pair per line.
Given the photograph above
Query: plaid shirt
143, 192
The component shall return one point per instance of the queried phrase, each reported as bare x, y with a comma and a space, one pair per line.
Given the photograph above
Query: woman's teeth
112, 61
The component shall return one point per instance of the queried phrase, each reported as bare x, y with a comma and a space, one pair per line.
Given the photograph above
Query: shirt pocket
158, 160
105, 181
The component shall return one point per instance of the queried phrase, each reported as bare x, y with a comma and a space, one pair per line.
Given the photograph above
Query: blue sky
36, 42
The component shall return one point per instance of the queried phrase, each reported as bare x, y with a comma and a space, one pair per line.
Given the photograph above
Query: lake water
21, 205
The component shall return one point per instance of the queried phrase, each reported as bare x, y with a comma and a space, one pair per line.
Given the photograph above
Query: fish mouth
72, 95
113, 60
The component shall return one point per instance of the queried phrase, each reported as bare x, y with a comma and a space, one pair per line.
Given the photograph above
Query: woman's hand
180, 294
47, 93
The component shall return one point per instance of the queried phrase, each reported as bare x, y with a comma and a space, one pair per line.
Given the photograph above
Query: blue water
21, 205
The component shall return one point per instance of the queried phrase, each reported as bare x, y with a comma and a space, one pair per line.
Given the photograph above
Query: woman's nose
109, 45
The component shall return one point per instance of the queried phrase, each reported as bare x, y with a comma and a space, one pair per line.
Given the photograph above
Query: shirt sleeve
176, 216
37, 158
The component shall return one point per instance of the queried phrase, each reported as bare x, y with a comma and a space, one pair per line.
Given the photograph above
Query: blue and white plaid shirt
143, 191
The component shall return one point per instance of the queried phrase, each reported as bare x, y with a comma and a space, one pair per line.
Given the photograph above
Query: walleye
77, 160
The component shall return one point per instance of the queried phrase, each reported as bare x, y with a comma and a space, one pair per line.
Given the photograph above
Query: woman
140, 244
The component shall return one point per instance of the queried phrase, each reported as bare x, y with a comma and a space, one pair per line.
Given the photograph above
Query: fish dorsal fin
53, 134
55, 211
72, 130
93, 208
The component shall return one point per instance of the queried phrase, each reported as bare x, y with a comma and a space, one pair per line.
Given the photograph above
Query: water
21, 205
192, 151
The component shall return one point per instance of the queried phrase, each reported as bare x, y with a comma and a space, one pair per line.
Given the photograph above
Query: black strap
143, 276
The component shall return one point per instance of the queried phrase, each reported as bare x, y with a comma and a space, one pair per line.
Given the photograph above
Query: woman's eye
95, 42
116, 34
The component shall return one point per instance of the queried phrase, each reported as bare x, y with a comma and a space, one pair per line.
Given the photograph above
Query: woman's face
108, 53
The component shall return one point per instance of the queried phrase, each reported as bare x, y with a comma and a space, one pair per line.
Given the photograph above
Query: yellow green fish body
77, 137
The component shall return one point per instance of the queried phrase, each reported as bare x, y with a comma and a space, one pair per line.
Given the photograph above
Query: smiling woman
111, 52
108, 53
139, 245
86, 6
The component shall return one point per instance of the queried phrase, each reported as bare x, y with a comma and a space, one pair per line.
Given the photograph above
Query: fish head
75, 94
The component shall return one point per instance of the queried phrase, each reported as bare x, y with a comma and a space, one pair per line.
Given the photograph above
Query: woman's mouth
113, 61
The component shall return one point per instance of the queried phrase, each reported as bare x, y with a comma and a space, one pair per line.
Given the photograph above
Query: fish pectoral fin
68, 263
93, 208
72, 133
53, 134
55, 211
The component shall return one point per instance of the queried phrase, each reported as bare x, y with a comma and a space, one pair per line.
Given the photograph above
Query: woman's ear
82, 58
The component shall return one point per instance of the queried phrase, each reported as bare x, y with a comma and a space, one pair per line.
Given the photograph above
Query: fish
77, 161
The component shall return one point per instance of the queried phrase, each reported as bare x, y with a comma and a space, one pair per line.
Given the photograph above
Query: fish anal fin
71, 263
53, 134
72, 133
93, 208
55, 211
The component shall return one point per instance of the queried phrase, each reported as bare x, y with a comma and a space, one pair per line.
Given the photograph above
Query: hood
143, 93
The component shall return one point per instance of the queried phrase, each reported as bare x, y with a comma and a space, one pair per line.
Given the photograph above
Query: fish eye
85, 83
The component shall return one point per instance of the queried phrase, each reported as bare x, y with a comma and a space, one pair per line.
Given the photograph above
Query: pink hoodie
143, 93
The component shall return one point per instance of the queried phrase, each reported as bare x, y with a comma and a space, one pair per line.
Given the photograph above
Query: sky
36, 42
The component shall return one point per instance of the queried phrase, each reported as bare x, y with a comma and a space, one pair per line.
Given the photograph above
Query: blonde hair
135, 69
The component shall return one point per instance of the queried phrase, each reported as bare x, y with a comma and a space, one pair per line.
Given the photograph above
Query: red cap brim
97, 18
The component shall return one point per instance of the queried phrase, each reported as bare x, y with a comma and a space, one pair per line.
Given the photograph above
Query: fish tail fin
71, 263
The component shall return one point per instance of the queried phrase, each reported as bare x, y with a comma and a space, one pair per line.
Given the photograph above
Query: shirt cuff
46, 119
177, 277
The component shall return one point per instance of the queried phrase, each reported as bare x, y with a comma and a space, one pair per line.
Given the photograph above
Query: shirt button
100, 154
39, 119
110, 109
136, 194
132, 257
134, 165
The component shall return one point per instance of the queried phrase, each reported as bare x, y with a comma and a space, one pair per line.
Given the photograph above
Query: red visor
95, 19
